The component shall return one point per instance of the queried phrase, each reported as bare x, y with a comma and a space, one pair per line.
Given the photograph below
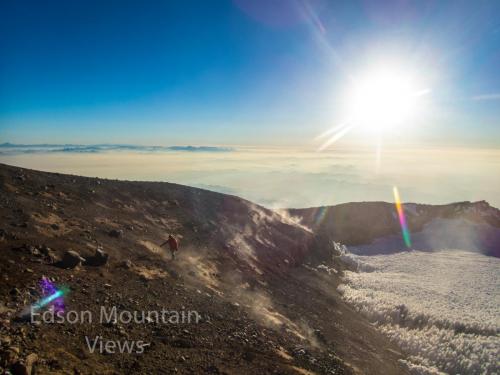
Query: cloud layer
13, 149
280, 178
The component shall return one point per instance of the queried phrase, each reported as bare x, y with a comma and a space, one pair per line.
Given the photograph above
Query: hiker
172, 243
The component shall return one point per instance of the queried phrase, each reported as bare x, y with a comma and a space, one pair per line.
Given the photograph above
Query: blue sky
240, 72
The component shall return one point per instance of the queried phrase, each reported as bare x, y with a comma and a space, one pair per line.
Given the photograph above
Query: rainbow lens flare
402, 219
320, 214
52, 296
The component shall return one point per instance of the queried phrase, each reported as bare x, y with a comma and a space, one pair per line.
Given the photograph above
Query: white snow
442, 308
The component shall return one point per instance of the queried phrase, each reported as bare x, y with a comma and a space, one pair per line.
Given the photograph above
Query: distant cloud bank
495, 96
279, 178
11, 149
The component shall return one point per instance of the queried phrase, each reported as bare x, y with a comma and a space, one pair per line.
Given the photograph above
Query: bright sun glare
382, 99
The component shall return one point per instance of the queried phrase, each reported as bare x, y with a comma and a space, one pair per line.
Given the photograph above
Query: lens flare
45, 301
52, 295
320, 214
402, 219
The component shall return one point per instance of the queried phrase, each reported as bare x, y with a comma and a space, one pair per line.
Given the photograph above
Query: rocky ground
267, 301
361, 223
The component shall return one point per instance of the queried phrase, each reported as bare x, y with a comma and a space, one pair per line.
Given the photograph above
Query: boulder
47, 254
116, 233
100, 258
71, 259
26, 368
127, 264
45, 250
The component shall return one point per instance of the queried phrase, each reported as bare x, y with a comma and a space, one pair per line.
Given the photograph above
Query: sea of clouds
283, 178
442, 308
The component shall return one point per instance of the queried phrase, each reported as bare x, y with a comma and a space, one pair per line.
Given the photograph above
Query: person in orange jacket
173, 244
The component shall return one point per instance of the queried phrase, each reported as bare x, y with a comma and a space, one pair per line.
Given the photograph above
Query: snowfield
442, 308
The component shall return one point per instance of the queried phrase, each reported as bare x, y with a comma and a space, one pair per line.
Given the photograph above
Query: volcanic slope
265, 305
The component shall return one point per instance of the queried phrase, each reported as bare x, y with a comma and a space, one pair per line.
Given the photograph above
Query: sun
382, 99
379, 102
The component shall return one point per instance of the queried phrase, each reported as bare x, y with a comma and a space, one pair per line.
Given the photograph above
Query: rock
5, 341
9, 356
19, 368
31, 360
320, 336
122, 331
116, 233
54, 364
45, 250
34, 251
299, 351
182, 343
127, 264
100, 258
48, 254
71, 259
110, 323
173, 274
248, 356
212, 369
30, 249
27, 367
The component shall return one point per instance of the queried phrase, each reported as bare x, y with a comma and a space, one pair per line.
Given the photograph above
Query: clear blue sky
234, 72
